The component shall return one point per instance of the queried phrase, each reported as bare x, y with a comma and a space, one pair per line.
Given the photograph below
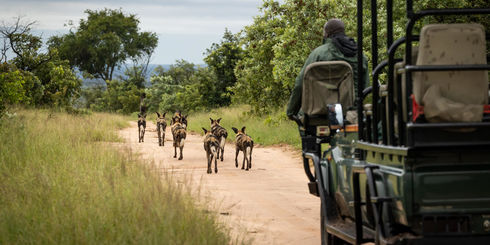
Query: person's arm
295, 100
366, 71
294, 104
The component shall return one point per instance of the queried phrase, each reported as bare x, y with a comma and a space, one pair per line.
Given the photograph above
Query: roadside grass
62, 183
270, 129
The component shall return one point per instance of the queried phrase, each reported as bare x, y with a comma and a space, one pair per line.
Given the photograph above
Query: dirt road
269, 204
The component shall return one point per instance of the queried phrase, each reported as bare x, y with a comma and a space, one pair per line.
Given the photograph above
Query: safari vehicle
414, 167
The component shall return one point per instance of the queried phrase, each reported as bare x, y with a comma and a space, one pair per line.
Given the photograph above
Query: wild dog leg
181, 155
222, 152
236, 158
209, 157
244, 159
250, 159
215, 164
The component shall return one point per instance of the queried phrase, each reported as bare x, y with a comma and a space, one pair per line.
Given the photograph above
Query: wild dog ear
139, 115
219, 119
164, 114
205, 131
144, 116
243, 129
158, 114
235, 130
211, 120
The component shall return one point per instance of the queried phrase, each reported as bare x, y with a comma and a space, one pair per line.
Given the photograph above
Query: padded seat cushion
327, 82
451, 44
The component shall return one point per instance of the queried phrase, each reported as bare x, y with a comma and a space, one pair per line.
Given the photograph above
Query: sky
185, 28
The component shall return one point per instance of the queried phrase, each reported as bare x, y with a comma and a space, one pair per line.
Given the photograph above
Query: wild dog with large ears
243, 143
211, 146
221, 133
141, 127
161, 126
179, 134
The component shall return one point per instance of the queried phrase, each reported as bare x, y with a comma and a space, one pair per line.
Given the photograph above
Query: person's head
333, 26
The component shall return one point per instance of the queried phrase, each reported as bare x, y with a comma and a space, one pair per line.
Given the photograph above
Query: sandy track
269, 204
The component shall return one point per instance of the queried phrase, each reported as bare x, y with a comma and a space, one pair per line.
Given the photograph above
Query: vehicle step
346, 230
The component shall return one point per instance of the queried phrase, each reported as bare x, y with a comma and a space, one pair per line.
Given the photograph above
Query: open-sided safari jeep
412, 166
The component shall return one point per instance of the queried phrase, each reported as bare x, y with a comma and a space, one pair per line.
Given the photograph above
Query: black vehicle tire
327, 238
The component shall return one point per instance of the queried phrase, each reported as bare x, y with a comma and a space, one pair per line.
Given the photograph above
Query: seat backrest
327, 82
451, 44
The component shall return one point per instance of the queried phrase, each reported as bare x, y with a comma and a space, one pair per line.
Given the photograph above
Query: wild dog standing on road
184, 121
176, 117
221, 133
243, 143
161, 126
141, 127
179, 134
211, 146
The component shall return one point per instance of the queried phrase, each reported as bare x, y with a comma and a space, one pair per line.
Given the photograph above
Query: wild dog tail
181, 135
248, 148
222, 142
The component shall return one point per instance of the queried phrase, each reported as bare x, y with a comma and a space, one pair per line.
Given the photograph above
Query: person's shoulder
321, 50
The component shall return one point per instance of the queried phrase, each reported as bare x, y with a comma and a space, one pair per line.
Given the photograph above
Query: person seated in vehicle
337, 46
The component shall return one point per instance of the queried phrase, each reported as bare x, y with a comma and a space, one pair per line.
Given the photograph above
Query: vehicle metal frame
413, 140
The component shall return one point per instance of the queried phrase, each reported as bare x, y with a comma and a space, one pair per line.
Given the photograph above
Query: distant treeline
256, 66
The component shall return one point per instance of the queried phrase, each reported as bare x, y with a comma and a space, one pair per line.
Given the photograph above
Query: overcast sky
185, 27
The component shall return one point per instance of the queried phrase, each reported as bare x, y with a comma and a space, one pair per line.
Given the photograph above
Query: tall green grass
62, 183
270, 129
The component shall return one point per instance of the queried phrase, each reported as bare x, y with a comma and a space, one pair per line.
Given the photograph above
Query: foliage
60, 84
283, 35
222, 59
59, 186
103, 41
182, 87
118, 96
272, 128
45, 78
11, 86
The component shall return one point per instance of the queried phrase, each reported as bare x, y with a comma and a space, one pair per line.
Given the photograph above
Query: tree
222, 59
17, 37
104, 41
255, 81
47, 80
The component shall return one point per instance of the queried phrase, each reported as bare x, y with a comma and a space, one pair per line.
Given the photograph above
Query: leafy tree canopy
104, 41
222, 59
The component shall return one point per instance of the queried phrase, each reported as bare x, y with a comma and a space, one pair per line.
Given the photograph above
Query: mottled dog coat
179, 134
221, 134
141, 127
161, 126
211, 146
243, 143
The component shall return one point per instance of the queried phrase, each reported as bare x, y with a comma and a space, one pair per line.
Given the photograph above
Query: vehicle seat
451, 96
324, 83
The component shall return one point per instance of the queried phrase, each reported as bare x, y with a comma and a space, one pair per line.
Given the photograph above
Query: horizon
185, 29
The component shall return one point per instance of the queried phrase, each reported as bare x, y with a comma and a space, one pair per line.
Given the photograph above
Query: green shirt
326, 52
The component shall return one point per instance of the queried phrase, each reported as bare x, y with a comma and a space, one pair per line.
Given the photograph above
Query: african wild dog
178, 116
243, 143
141, 127
184, 121
211, 146
161, 126
221, 133
179, 134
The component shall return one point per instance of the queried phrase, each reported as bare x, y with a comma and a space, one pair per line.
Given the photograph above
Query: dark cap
333, 26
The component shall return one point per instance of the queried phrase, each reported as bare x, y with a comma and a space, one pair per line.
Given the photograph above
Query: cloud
170, 19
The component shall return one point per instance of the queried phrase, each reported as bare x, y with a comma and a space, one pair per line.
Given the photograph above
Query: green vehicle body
449, 185
420, 183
